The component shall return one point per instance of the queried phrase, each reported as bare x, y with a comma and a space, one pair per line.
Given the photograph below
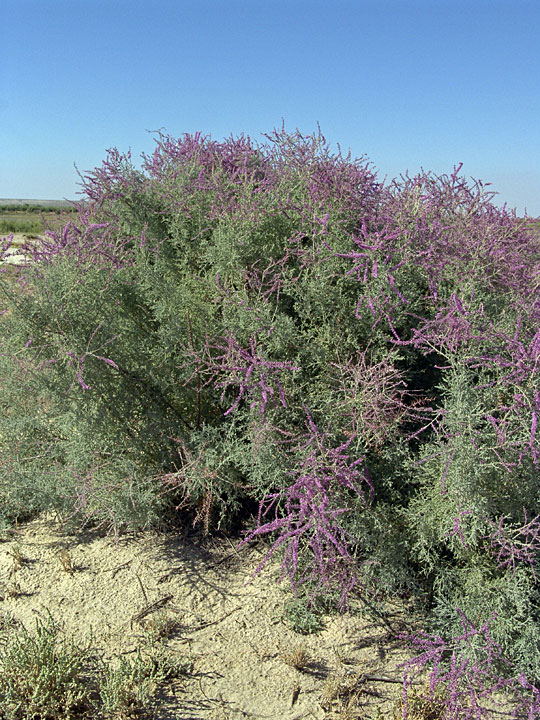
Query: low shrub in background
14, 225
235, 325
35, 207
30, 219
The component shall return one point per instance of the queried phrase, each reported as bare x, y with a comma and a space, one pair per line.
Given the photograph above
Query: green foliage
22, 208
233, 327
301, 618
31, 219
41, 677
44, 676
19, 226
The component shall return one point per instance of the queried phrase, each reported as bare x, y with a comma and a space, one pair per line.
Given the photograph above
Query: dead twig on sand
150, 609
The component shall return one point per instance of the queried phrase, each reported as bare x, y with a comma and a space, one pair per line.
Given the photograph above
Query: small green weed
131, 686
300, 618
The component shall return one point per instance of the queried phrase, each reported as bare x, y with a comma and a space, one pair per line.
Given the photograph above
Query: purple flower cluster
426, 271
312, 506
468, 670
521, 544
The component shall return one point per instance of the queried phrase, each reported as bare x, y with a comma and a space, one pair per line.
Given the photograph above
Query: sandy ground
235, 634
14, 257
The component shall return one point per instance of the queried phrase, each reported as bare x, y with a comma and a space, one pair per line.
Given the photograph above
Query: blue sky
405, 83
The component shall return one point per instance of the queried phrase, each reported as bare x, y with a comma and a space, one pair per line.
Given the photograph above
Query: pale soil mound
242, 649
14, 256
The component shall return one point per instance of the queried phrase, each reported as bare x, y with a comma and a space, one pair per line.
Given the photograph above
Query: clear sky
405, 83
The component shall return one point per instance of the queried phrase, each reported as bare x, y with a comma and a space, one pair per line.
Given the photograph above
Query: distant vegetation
20, 226
29, 219
29, 208
27, 204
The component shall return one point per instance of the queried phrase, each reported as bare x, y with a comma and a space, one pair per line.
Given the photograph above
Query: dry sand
234, 633
14, 256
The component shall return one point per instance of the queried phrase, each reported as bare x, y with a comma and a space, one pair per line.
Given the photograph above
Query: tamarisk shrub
471, 678
166, 347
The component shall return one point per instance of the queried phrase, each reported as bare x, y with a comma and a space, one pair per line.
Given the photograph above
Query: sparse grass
43, 677
341, 694
18, 558
160, 626
66, 561
14, 589
420, 706
342, 701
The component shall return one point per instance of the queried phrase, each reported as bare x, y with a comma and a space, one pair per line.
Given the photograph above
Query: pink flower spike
82, 383
108, 361
534, 347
